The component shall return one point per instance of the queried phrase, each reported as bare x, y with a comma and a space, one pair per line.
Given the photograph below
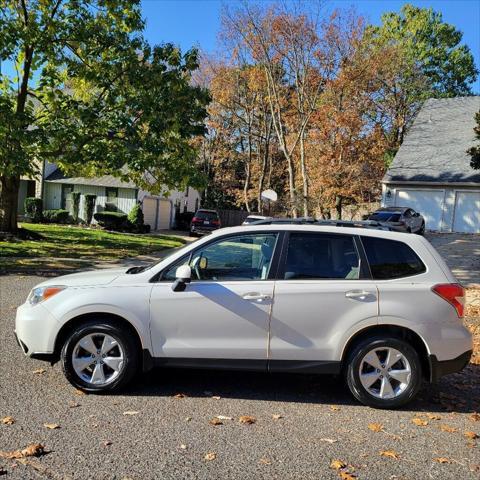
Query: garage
467, 212
157, 213
430, 203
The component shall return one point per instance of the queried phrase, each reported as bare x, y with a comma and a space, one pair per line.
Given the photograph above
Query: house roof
104, 181
435, 148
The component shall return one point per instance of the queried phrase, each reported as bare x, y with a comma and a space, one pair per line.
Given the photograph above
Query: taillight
195, 219
453, 293
215, 222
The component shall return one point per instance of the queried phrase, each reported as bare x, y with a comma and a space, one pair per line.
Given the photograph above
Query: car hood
86, 279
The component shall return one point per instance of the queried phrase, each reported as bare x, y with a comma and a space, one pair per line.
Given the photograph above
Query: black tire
352, 372
101, 326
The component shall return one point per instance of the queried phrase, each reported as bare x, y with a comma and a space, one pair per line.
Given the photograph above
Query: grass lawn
64, 241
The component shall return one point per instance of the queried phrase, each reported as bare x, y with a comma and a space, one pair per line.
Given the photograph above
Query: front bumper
440, 368
36, 329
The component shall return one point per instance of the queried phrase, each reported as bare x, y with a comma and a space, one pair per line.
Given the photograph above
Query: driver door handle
359, 294
255, 296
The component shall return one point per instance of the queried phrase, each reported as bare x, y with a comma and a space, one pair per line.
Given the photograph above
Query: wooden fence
232, 218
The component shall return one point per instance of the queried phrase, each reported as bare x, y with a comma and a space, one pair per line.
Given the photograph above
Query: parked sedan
401, 219
204, 221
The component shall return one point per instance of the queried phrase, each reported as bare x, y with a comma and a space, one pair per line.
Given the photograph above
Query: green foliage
75, 205
112, 220
135, 217
34, 209
474, 152
429, 43
90, 200
56, 216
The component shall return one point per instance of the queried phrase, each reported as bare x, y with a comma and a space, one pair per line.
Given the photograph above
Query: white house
112, 193
431, 171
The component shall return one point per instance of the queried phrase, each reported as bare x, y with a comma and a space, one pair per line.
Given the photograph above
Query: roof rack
372, 224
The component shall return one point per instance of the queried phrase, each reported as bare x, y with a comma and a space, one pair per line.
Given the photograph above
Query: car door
224, 312
322, 292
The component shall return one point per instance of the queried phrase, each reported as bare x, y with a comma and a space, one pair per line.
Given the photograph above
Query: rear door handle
359, 294
255, 296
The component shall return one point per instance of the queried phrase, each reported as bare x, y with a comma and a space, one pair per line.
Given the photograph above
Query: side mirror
183, 276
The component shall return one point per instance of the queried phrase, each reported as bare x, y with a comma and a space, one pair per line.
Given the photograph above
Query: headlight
40, 294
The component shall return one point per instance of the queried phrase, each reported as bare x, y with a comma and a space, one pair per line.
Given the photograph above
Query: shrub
90, 200
75, 205
56, 216
135, 218
34, 209
112, 220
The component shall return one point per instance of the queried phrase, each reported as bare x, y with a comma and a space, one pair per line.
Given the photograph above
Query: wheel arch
397, 331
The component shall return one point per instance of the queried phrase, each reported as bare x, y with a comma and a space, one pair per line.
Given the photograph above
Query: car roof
206, 210
392, 209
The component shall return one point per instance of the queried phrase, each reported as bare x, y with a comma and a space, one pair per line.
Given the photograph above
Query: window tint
385, 217
244, 257
391, 259
321, 256
203, 215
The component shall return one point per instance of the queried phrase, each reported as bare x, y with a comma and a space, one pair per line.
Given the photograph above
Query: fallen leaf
447, 428
441, 460
32, 450
51, 426
471, 435
216, 397
223, 417
188, 419
328, 440
337, 464
265, 461
182, 446
475, 417
79, 392
39, 371
210, 456
179, 395
215, 421
247, 419
107, 443
433, 416
277, 416
130, 412
8, 420
419, 422
375, 427
390, 454
334, 408
347, 476
73, 405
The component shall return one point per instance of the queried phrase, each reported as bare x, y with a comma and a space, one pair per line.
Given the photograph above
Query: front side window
319, 256
242, 257
391, 259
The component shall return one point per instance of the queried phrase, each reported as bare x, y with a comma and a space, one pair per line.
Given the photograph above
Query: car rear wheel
99, 356
384, 372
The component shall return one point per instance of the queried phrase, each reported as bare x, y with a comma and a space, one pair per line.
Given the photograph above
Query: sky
188, 23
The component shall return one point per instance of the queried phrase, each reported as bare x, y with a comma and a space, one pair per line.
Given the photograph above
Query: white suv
379, 307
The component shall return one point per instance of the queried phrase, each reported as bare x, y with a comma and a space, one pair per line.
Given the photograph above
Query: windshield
385, 216
202, 215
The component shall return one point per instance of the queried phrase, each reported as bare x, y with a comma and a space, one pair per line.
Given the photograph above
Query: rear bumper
202, 230
440, 368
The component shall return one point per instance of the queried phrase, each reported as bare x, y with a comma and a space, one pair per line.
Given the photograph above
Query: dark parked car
204, 221
400, 219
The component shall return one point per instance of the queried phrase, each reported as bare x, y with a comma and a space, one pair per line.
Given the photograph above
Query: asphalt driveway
160, 428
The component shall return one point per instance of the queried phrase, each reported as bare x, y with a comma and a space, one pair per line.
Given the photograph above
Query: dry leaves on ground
442, 460
210, 456
447, 428
277, 416
265, 461
182, 447
107, 443
247, 419
8, 420
390, 454
475, 417
32, 450
79, 392
334, 408
375, 427
51, 426
73, 405
215, 421
419, 422
337, 464
471, 435
179, 395
39, 371
347, 476
131, 412
223, 417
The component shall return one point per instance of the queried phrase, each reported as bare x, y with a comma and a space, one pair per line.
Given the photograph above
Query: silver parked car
400, 219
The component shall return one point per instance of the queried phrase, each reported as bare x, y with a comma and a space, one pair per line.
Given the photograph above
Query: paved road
320, 423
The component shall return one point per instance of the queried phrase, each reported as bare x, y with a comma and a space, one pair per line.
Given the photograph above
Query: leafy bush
135, 217
90, 200
75, 205
34, 209
56, 216
112, 220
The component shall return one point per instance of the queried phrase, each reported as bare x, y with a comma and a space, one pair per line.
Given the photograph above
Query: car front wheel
384, 372
99, 356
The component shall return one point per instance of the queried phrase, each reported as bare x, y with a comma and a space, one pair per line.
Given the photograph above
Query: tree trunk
246, 186
9, 186
338, 206
303, 169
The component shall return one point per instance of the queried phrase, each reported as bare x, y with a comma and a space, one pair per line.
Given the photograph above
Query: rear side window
390, 259
313, 256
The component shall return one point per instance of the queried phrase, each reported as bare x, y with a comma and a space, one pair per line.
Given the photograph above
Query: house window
112, 198
66, 196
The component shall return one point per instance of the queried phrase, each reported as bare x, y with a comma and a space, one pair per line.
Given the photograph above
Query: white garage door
428, 202
467, 212
156, 213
